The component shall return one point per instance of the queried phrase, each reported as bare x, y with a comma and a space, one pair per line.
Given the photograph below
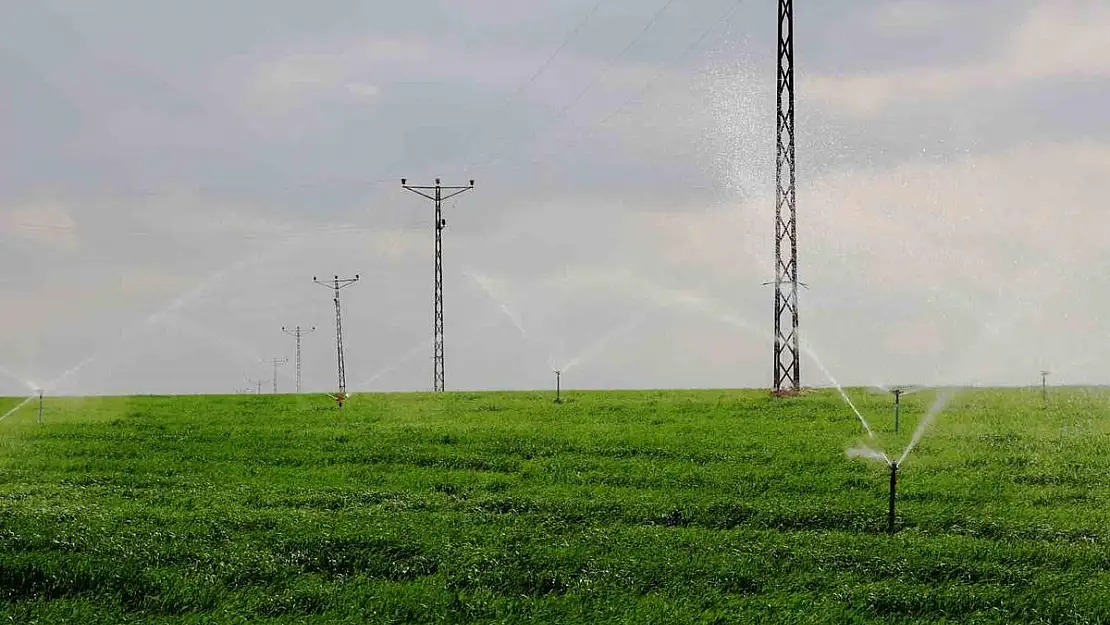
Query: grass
615, 507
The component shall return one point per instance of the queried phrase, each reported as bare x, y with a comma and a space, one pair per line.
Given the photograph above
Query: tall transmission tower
336, 284
437, 195
297, 333
276, 362
787, 372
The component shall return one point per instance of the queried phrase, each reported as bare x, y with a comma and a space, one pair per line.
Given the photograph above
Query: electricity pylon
1044, 388
787, 371
276, 362
336, 284
297, 333
438, 196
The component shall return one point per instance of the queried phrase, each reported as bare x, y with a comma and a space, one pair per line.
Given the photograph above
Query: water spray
558, 386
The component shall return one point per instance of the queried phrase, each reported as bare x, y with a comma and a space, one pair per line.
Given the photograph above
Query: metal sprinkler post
897, 406
40, 406
893, 489
558, 386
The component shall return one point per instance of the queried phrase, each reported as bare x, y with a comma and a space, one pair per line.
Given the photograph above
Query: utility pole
336, 284
276, 362
257, 384
298, 332
1044, 389
787, 371
437, 195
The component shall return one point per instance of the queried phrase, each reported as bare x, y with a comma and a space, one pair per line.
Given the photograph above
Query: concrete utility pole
336, 284
298, 332
437, 195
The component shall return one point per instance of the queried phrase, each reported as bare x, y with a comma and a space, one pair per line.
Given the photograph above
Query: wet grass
625, 507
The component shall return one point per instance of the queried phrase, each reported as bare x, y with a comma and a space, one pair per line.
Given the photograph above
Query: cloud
911, 16
1057, 39
46, 223
934, 253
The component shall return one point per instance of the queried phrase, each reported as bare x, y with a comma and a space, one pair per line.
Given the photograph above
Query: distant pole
897, 404
298, 332
336, 284
1044, 389
438, 197
257, 384
787, 366
40, 406
276, 362
893, 490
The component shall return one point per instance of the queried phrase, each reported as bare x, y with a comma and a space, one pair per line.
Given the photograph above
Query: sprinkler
897, 405
40, 406
893, 489
558, 386
339, 399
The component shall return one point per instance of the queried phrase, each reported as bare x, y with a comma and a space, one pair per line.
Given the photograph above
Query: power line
637, 97
542, 68
589, 87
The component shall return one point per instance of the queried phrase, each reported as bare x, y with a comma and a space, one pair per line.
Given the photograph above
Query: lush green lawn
637, 507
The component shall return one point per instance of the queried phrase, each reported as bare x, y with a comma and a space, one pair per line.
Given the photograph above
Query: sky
174, 175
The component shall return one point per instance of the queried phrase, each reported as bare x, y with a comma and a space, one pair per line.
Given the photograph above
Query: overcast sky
173, 175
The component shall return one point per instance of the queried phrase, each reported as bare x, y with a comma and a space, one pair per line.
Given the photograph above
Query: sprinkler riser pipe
897, 408
893, 491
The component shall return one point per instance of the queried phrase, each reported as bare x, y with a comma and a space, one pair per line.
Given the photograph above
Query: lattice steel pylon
276, 362
787, 372
335, 285
438, 197
298, 332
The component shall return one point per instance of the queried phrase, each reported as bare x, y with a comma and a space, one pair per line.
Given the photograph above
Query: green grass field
615, 507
